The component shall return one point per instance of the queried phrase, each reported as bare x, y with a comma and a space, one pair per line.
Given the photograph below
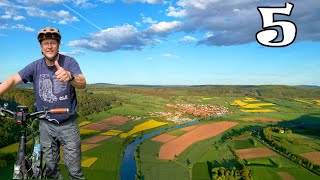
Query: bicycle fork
20, 169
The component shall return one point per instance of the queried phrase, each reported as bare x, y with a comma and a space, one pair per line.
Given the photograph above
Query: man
55, 78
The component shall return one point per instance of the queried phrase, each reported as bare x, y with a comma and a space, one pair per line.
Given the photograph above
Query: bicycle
29, 166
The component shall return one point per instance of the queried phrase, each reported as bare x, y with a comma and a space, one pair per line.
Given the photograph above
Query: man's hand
61, 74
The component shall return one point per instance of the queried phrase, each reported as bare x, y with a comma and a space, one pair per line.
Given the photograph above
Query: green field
137, 103
264, 168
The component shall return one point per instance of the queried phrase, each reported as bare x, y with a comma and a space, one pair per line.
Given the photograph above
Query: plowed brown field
176, 146
96, 139
116, 120
97, 126
312, 156
189, 128
255, 153
286, 176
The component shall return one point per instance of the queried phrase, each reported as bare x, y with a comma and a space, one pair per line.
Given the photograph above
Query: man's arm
9, 83
79, 81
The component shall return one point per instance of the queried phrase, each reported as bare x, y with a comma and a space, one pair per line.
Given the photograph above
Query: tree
188, 162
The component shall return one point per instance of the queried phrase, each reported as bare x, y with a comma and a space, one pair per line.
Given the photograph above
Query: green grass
264, 168
246, 144
176, 132
152, 168
200, 171
243, 144
164, 171
140, 101
6, 173
109, 162
149, 151
298, 143
10, 148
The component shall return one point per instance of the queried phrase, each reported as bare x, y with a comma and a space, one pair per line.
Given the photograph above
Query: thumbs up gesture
61, 74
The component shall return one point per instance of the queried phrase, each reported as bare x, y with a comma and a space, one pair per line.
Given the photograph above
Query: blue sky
163, 42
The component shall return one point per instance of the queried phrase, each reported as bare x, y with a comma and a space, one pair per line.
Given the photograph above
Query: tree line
88, 103
263, 91
267, 137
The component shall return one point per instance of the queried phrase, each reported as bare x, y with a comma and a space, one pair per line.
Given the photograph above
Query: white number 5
269, 34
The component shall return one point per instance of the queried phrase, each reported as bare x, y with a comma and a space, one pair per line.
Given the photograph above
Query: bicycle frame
23, 165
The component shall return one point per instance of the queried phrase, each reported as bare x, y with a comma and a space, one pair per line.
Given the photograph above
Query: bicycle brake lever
44, 116
1, 113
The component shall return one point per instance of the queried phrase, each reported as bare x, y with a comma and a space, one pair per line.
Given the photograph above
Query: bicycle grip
59, 111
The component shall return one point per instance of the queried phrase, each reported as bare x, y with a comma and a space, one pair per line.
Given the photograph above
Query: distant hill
309, 86
261, 91
23, 85
102, 84
135, 85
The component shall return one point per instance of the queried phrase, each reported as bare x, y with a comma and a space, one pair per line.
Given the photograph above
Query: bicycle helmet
49, 32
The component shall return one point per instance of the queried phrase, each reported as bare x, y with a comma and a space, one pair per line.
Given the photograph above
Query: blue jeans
66, 134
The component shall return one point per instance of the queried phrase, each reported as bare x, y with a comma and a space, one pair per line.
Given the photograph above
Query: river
128, 167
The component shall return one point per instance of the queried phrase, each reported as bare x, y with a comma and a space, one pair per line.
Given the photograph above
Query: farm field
105, 134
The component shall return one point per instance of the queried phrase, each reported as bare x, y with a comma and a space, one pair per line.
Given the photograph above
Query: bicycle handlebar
22, 113
51, 111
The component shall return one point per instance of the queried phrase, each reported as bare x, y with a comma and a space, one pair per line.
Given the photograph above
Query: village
183, 112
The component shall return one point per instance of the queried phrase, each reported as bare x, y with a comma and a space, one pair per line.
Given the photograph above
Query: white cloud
124, 37
107, 1
17, 18
175, 12
148, 20
208, 34
144, 1
42, 2
12, 14
83, 4
62, 16
188, 39
3, 27
5, 3
236, 22
74, 52
22, 27
168, 55
163, 28
13, 11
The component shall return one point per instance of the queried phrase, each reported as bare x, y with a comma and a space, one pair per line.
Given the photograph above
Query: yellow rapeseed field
249, 106
87, 131
141, 127
206, 99
83, 123
240, 103
112, 132
88, 161
250, 100
85, 146
302, 101
264, 104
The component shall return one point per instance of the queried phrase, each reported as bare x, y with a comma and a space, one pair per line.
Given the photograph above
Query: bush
3, 163
288, 131
296, 141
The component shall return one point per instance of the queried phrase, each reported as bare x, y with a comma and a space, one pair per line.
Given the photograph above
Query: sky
163, 42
